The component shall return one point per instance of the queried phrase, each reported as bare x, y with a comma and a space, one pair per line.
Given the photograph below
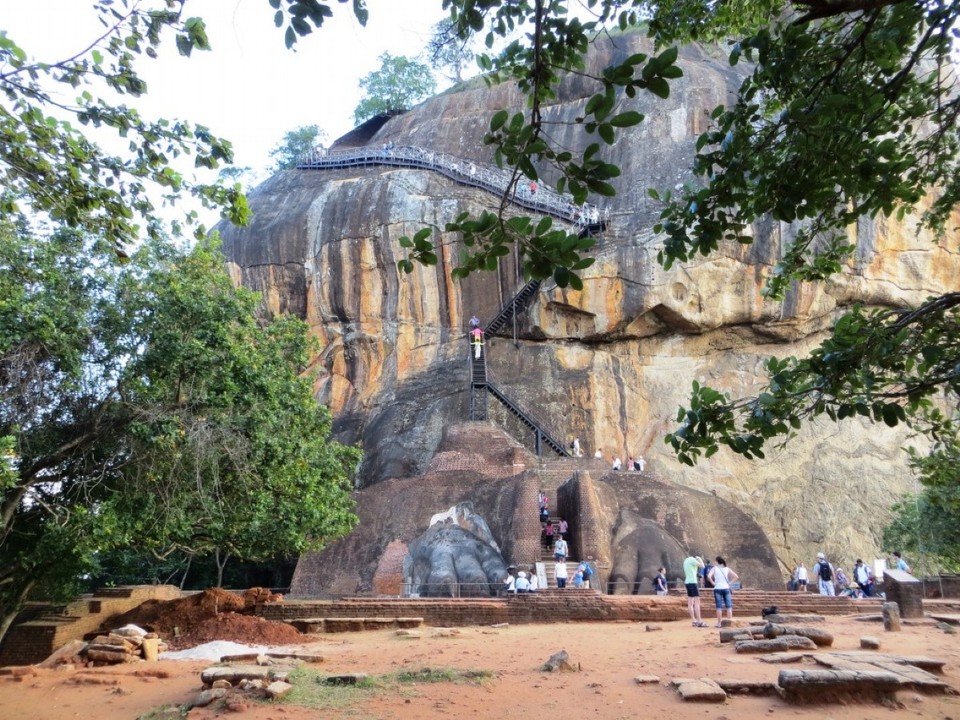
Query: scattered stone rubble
837, 676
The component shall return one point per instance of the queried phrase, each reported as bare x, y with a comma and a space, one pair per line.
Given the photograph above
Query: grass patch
311, 690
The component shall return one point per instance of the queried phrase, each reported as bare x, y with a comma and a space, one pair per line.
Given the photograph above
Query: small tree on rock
398, 85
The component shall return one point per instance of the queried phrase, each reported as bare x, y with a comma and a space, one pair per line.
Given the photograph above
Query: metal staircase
480, 387
516, 305
541, 437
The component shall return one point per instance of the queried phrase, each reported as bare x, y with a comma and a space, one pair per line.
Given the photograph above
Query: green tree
927, 525
50, 165
399, 84
448, 52
295, 143
147, 406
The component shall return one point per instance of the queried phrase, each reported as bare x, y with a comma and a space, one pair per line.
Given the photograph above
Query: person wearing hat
823, 572
522, 584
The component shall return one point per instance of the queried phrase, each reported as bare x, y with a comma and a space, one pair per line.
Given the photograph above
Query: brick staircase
50, 627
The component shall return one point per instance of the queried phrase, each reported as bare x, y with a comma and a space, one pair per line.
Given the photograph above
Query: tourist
660, 581
474, 321
639, 463
577, 452
560, 549
598, 454
617, 464
841, 581
477, 338
802, 577
549, 532
823, 572
560, 573
691, 568
534, 581
510, 582
722, 577
578, 578
562, 528
863, 577
900, 564
522, 584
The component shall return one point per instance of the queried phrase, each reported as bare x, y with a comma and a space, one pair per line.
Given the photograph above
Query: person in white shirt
617, 463
560, 573
722, 578
534, 582
522, 584
560, 550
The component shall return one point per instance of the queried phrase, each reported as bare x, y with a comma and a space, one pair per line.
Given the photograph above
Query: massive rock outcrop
610, 363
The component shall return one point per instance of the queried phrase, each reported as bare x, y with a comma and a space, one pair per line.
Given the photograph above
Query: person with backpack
660, 581
863, 576
823, 571
705, 574
586, 571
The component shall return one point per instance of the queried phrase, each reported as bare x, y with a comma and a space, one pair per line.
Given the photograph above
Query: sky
249, 89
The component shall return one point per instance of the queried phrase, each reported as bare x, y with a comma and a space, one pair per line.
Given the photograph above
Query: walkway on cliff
465, 172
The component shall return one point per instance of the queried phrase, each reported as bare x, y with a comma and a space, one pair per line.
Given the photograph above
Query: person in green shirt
691, 568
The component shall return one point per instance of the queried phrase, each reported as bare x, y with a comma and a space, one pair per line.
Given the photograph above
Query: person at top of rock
598, 454
617, 464
474, 321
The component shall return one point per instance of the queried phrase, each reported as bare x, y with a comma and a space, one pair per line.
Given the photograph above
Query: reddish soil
609, 656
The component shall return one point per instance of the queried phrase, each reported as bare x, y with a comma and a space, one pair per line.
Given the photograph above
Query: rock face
609, 364
406, 541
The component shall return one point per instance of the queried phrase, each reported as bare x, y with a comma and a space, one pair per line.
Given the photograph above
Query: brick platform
568, 605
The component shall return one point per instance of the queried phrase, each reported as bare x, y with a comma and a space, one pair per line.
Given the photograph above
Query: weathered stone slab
205, 697
783, 658
702, 690
74, 647
646, 679
794, 618
868, 642
780, 644
819, 636
278, 688
747, 633
748, 687
235, 673
822, 686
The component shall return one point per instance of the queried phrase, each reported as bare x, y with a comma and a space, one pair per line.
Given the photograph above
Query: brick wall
569, 605
32, 641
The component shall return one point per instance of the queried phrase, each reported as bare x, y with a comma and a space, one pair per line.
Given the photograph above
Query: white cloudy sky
250, 88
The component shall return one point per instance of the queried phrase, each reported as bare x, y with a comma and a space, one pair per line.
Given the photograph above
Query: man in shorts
691, 568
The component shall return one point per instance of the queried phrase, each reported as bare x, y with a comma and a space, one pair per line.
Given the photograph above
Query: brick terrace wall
569, 605
35, 640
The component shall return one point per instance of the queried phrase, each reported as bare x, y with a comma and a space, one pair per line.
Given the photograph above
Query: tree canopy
147, 406
49, 163
399, 84
295, 143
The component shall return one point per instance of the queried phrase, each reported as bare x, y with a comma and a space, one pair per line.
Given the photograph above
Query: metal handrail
466, 172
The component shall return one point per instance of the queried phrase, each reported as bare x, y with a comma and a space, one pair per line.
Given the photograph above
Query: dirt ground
609, 656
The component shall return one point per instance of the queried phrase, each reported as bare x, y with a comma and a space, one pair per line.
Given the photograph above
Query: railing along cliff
465, 172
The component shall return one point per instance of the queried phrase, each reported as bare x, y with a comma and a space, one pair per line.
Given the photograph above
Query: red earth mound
245, 629
202, 617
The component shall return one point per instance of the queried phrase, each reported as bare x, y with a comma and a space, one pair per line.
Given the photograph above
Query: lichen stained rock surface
609, 364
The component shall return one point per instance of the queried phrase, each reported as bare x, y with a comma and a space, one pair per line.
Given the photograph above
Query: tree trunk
10, 611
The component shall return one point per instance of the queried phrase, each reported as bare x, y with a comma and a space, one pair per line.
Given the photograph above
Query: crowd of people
832, 580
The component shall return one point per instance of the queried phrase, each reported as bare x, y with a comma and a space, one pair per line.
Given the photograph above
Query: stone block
277, 689
646, 679
702, 690
868, 642
891, 617
906, 591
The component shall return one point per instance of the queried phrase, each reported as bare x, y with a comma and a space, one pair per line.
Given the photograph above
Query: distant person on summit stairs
476, 337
